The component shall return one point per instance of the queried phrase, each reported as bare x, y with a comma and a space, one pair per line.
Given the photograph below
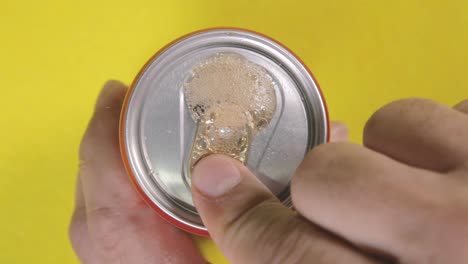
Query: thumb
250, 225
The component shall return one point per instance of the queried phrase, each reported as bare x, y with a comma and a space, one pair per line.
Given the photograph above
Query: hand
402, 196
111, 223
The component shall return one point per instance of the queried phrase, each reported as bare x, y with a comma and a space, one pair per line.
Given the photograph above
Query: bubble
230, 99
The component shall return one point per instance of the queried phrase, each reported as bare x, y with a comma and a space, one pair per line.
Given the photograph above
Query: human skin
403, 196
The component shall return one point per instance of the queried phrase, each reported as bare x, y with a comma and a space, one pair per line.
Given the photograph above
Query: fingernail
339, 132
215, 175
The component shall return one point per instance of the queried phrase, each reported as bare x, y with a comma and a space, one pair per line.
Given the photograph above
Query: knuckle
447, 219
310, 167
326, 168
86, 164
88, 141
321, 159
463, 105
284, 247
320, 156
400, 106
76, 228
456, 216
102, 126
394, 112
273, 238
78, 234
105, 225
85, 150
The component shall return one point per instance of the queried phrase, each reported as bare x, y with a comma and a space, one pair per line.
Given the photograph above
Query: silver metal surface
159, 128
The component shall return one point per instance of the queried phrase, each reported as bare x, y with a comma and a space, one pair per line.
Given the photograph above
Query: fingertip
462, 106
102, 131
215, 175
339, 132
113, 92
223, 189
113, 84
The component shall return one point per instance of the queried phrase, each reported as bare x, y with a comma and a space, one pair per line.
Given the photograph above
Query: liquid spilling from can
225, 91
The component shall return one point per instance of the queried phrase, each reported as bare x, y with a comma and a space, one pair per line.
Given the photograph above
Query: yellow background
55, 55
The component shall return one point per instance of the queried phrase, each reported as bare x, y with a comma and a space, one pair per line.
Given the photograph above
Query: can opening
230, 98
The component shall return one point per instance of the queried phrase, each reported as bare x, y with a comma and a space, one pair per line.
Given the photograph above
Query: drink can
282, 116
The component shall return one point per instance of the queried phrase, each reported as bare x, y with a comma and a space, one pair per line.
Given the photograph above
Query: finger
103, 176
78, 230
122, 228
339, 132
374, 201
79, 197
250, 225
462, 106
419, 132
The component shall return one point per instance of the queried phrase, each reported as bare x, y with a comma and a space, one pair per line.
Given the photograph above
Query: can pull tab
230, 98
224, 129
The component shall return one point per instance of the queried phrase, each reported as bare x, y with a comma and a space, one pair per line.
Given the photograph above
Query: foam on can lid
230, 98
